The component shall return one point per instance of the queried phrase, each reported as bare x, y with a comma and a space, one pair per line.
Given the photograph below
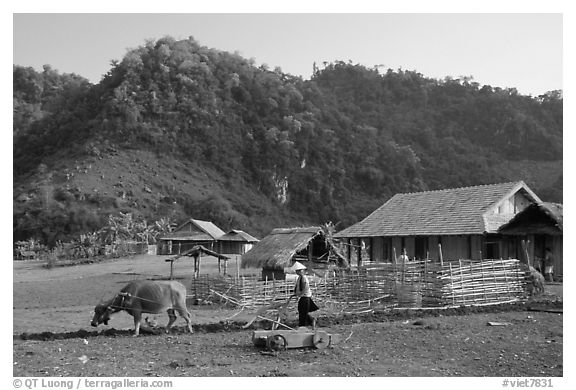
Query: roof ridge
290, 229
459, 188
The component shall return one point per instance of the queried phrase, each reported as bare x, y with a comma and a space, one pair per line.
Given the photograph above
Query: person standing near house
403, 257
549, 265
305, 303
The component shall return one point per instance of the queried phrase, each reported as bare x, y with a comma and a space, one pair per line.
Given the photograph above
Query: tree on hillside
335, 145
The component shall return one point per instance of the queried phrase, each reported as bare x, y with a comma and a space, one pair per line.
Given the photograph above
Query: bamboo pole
461, 276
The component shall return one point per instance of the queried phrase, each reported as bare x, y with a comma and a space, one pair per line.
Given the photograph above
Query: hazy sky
522, 51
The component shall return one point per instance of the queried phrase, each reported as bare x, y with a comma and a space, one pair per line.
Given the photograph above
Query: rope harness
125, 295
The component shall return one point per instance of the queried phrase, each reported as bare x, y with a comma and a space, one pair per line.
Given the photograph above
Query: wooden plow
278, 339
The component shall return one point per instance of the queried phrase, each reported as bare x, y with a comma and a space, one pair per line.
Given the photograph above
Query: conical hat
298, 266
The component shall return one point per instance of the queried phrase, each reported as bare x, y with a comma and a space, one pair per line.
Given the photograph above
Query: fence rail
414, 284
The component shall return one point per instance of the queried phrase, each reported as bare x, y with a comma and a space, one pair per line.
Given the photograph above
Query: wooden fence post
440, 254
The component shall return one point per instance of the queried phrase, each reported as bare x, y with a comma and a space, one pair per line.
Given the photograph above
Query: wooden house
464, 221
236, 242
282, 247
186, 236
540, 226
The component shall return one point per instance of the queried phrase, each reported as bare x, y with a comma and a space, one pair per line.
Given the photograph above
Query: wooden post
371, 252
171, 269
349, 250
404, 266
461, 282
525, 249
359, 252
452, 284
483, 283
237, 267
440, 254
394, 255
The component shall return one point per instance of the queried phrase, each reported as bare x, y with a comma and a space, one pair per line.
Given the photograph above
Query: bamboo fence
419, 284
483, 282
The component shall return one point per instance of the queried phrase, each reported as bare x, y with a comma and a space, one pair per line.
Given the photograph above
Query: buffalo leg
172, 317
137, 321
186, 314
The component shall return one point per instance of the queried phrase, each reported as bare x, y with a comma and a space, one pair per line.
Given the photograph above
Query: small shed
236, 242
283, 246
197, 253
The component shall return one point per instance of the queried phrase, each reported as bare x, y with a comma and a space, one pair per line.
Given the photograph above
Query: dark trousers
305, 306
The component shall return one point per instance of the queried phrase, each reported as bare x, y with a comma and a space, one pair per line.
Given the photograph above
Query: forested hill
179, 130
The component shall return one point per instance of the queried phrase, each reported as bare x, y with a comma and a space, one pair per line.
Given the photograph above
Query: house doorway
492, 249
420, 248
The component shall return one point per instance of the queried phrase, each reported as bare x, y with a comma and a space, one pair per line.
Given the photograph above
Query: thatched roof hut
282, 247
538, 218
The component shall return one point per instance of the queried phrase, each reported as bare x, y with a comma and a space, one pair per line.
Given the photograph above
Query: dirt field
52, 335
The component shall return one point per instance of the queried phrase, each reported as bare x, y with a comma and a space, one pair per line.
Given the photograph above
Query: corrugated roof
209, 228
464, 210
209, 231
237, 235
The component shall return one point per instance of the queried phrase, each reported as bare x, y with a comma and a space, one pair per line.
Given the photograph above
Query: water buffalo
146, 296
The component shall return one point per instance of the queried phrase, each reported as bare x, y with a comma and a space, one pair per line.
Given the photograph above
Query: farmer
549, 265
305, 303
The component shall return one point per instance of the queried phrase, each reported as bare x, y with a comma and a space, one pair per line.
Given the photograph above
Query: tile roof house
464, 221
